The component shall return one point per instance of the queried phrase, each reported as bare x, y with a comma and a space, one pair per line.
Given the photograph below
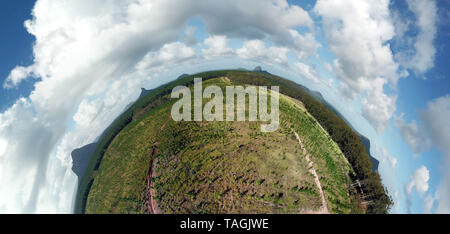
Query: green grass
329, 161
219, 167
133, 114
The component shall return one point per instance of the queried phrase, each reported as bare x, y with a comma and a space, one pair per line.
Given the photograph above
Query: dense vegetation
347, 140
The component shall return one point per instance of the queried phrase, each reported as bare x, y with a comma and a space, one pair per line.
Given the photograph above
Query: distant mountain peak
144, 92
80, 159
182, 76
258, 69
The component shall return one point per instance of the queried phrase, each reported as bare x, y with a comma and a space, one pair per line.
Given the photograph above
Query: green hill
148, 163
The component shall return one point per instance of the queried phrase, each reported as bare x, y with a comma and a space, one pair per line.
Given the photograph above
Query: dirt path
324, 208
152, 206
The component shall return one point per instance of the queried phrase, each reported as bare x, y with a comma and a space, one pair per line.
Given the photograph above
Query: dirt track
151, 203
152, 206
324, 208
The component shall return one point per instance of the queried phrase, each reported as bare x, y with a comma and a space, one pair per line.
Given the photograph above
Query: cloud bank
358, 33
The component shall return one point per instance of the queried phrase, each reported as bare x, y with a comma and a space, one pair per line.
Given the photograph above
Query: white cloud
385, 157
254, 21
401, 26
392, 162
217, 46
428, 204
437, 124
87, 112
419, 181
293, 15
302, 45
421, 58
26, 161
256, 50
328, 67
412, 135
378, 107
307, 71
76, 28
17, 75
443, 194
169, 54
358, 33
363, 26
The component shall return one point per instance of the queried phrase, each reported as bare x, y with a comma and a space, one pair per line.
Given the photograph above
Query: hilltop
147, 163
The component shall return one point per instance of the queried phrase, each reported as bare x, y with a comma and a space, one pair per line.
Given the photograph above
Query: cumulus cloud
442, 195
87, 112
17, 75
302, 45
428, 204
378, 107
358, 33
217, 46
23, 171
419, 181
91, 58
328, 67
307, 71
256, 50
173, 53
229, 18
392, 162
385, 157
138, 19
411, 134
421, 58
255, 22
437, 123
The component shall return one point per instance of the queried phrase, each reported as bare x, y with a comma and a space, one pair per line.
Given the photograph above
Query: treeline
87, 179
137, 110
348, 140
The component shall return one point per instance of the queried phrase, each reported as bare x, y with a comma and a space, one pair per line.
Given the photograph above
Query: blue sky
15, 46
92, 66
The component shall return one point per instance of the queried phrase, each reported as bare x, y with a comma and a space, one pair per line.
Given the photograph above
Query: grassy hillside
132, 114
223, 167
348, 140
